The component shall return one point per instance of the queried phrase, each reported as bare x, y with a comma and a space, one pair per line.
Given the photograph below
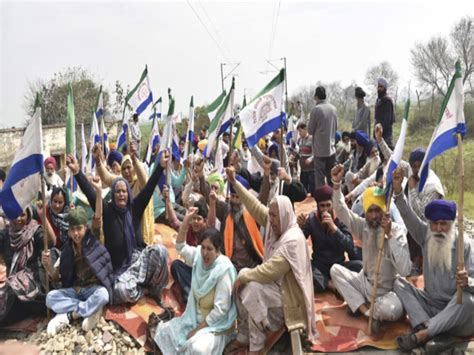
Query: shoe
59, 322
90, 322
407, 342
153, 321
439, 343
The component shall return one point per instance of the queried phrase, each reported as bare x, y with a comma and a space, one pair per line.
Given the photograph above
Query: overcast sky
322, 40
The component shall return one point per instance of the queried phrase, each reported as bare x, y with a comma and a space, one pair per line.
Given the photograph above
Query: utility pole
230, 72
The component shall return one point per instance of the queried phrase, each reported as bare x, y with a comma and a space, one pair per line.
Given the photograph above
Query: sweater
97, 257
323, 126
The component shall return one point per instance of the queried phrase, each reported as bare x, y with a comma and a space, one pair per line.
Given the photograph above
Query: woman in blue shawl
208, 321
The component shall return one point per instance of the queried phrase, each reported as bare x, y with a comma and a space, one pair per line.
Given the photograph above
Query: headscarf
125, 214
216, 177
441, 210
292, 246
59, 220
21, 279
373, 196
114, 155
127, 158
361, 138
202, 144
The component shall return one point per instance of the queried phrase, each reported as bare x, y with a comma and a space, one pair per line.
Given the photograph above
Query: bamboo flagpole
460, 240
381, 247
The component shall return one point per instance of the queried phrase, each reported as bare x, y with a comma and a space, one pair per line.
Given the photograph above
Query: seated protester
22, 294
209, 319
343, 148
370, 166
272, 175
433, 311
136, 266
330, 239
52, 179
279, 291
133, 172
181, 271
159, 204
242, 241
85, 271
114, 162
359, 140
356, 288
57, 211
216, 184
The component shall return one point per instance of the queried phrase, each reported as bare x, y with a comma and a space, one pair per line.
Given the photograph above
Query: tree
384, 69
433, 63
434, 60
463, 44
54, 95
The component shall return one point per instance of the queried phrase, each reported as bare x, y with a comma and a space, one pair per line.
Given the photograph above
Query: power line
275, 15
207, 30
214, 27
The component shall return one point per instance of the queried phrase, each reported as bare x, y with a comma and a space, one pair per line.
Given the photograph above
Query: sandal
407, 342
235, 346
153, 321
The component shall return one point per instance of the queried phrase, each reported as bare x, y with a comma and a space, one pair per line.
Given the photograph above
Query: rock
107, 348
97, 348
81, 340
107, 337
59, 346
127, 340
114, 347
100, 342
107, 328
124, 349
89, 337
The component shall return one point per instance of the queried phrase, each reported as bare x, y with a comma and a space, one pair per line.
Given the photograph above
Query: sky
184, 42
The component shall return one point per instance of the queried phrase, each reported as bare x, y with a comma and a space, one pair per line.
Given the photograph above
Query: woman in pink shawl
280, 290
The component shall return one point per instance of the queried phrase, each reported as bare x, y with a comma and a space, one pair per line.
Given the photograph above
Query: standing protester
384, 111
362, 116
433, 311
305, 153
136, 133
323, 126
86, 274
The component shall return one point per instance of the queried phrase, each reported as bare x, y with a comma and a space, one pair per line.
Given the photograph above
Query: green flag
70, 123
171, 104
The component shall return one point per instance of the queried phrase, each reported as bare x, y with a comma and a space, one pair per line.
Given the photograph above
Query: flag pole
381, 246
46, 235
460, 240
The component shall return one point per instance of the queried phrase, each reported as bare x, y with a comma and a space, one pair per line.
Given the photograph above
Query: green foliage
54, 96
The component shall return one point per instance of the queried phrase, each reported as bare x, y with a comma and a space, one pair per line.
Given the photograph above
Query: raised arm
186, 251
97, 217
258, 211
106, 177
141, 200
349, 218
142, 176
81, 179
414, 224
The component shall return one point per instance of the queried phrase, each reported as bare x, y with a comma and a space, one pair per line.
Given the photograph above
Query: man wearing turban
356, 288
433, 312
330, 238
384, 111
52, 179
361, 120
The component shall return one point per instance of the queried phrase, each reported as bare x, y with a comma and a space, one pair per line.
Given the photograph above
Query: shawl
58, 220
125, 214
292, 246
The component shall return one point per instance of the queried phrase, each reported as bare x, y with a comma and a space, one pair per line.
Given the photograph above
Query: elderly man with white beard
434, 314
356, 288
